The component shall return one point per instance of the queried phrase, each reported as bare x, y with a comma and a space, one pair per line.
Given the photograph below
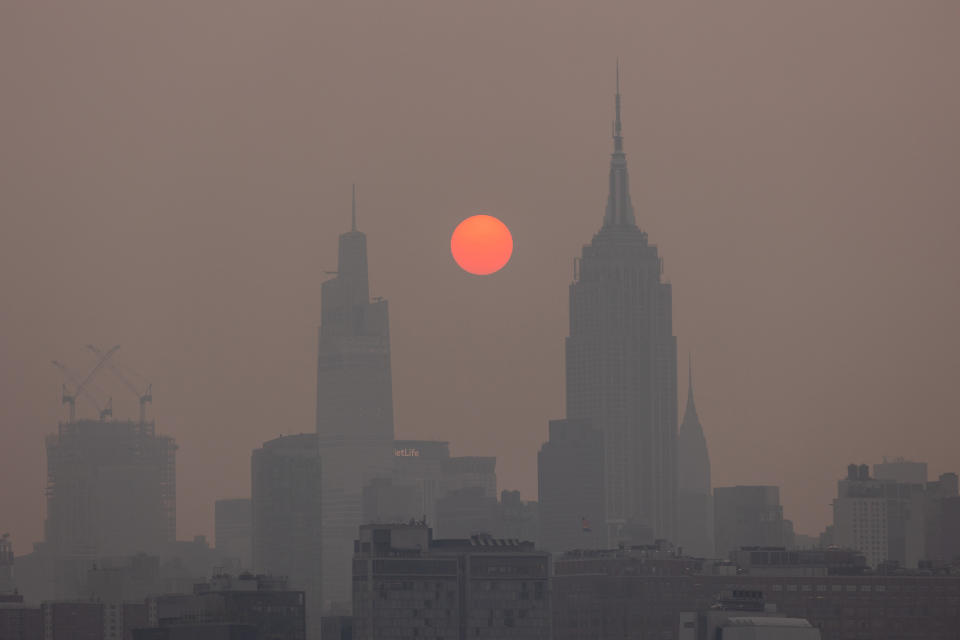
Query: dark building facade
628, 600
571, 484
621, 364
286, 514
227, 607
747, 516
408, 585
695, 499
232, 522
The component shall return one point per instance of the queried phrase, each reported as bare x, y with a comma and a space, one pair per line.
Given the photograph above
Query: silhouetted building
17, 620
354, 403
286, 508
337, 627
519, 520
465, 512
695, 502
354, 388
412, 485
232, 525
470, 471
883, 519
74, 620
942, 521
780, 561
111, 491
607, 601
408, 585
901, 470
747, 516
743, 615
621, 364
571, 484
6, 564
246, 607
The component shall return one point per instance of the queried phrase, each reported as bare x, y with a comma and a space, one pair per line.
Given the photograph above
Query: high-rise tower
354, 387
354, 405
622, 364
695, 502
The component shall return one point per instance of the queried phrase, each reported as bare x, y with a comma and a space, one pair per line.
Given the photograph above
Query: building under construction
111, 484
111, 489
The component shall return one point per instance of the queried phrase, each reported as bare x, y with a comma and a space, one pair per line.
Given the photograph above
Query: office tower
354, 389
232, 523
883, 519
286, 517
695, 503
409, 585
621, 361
387, 501
519, 520
354, 403
571, 484
462, 472
747, 516
465, 512
111, 491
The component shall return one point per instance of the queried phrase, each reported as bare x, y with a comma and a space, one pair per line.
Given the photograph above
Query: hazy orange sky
173, 177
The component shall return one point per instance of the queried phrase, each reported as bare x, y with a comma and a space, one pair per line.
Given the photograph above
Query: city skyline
227, 341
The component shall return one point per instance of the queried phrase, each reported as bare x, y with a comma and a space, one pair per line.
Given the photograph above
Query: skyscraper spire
619, 211
691, 408
617, 126
353, 208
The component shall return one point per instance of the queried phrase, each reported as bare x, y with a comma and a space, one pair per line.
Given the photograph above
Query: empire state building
621, 365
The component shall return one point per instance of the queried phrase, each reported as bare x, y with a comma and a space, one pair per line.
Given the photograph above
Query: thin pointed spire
619, 209
617, 125
353, 208
691, 407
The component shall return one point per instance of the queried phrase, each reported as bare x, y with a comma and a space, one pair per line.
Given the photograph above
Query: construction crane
81, 386
144, 397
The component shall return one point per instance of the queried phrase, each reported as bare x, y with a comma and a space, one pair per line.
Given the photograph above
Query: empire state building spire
619, 209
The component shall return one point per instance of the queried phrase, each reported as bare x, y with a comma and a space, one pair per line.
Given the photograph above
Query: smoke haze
174, 175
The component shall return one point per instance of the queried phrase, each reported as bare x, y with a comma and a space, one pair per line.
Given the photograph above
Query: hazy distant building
465, 512
883, 519
415, 478
232, 529
470, 471
901, 470
695, 502
747, 516
354, 403
111, 491
942, 521
354, 388
286, 515
409, 585
6, 564
571, 485
519, 520
621, 364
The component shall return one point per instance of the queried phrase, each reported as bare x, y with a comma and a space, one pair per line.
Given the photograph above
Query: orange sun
481, 245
